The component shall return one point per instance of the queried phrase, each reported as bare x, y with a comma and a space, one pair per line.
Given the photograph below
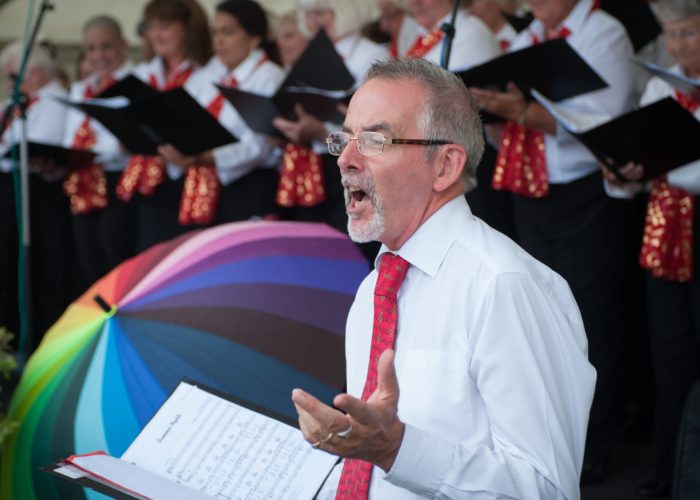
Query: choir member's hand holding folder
202, 444
655, 136
553, 68
145, 122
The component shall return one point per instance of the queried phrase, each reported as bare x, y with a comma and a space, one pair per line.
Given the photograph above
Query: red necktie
354, 480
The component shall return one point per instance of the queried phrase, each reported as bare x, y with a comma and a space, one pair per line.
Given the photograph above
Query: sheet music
682, 83
573, 122
226, 450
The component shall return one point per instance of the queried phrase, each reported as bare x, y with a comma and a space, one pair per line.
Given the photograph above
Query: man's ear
450, 163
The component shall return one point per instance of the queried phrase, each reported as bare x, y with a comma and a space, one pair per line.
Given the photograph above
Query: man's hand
376, 433
306, 129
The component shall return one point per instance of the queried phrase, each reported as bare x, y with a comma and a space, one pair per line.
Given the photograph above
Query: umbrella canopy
253, 309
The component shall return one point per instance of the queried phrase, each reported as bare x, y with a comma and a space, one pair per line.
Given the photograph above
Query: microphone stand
25, 344
449, 30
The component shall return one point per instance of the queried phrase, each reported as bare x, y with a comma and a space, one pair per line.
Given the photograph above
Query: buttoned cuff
421, 463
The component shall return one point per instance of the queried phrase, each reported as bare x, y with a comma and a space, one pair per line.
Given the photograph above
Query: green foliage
7, 364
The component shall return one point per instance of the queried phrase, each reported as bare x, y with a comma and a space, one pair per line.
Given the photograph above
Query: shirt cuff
421, 463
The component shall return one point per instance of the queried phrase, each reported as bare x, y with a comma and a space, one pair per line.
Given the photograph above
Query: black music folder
681, 83
129, 86
553, 68
320, 66
172, 117
57, 155
661, 136
258, 110
638, 19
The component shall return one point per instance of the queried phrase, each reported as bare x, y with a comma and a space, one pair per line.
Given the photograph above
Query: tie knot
392, 271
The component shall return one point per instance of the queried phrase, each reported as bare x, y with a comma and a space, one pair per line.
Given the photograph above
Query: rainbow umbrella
253, 309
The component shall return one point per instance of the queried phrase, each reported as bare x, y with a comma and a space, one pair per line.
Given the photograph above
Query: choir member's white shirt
409, 32
359, 53
110, 154
506, 34
686, 177
603, 43
491, 358
473, 43
156, 68
46, 120
257, 75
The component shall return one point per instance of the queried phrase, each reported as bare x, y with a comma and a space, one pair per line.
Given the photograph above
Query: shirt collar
119, 73
427, 247
51, 88
573, 22
248, 66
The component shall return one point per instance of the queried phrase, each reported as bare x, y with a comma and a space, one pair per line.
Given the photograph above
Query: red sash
521, 165
201, 191
425, 44
667, 245
86, 187
145, 173
301, 178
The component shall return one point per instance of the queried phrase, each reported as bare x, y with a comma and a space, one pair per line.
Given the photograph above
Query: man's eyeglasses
371, 143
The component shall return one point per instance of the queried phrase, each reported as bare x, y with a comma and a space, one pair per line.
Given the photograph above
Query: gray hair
39, 58
103, 22
449, 114
677, 10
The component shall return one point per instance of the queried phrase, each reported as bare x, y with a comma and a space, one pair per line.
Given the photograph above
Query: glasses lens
336, 143
370, 143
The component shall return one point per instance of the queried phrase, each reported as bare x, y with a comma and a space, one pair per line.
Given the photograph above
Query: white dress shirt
603, 43
473, 43
46, 120
109, 151
506, 34
358, 54
409, 31
156, 68
491, 359
686, 177
254, 74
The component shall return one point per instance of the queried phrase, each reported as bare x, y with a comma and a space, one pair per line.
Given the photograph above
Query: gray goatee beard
373, 229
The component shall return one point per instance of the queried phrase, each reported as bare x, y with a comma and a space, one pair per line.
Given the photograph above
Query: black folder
517, 22
172, 117
320, 66
258, 111
553, 68
661, 136
681, 83
637, 18
60, 156
130, 87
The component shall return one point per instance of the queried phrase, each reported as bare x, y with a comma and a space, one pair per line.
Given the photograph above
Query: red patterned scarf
667, 245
